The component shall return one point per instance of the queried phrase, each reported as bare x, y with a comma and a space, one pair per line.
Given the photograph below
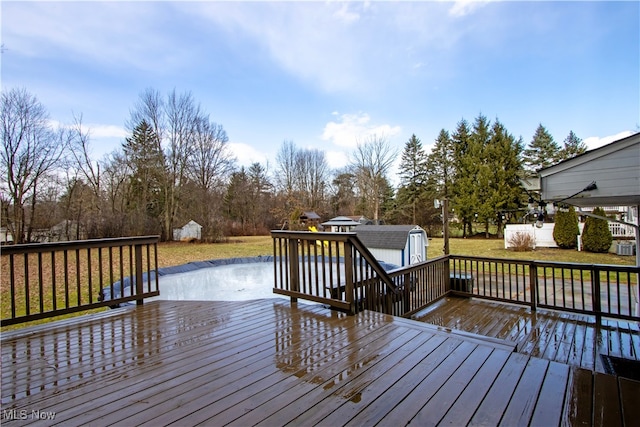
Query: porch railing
50, 279
336, 269
603, 290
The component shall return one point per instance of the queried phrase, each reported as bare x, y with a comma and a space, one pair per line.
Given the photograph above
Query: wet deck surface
573, 339
268, 363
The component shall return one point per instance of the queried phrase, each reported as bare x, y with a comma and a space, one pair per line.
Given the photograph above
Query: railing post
139, 281
406, 290
348, 276
294, 267
533, 284
447, 274
595, 291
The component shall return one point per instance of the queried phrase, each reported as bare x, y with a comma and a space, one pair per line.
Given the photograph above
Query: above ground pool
234, 281
229, 279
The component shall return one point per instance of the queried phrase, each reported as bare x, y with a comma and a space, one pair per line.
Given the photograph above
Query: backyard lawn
180, 253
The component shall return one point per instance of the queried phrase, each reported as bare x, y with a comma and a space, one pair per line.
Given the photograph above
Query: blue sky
327, 75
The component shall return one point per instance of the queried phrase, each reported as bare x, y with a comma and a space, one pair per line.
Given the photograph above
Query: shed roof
385, 236
310, 215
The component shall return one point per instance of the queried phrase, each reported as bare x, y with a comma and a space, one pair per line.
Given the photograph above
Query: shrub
596, 236
565, 231
521, 241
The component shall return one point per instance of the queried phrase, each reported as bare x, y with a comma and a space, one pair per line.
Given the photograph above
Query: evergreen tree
440, 165
238, 199
596, 236
542, 152
413, 170
146, 161
573, 146
463, 202
344, 194
484, 174
565, 231
505, 191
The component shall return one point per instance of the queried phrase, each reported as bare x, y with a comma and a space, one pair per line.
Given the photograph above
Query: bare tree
371, 162
31, 152
212, 161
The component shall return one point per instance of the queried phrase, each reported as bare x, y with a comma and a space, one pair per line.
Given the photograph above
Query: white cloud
336, 159
465, 7
247, 155
106, 131
597, 142
349, 129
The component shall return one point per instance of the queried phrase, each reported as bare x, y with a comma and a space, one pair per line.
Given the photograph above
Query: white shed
190, 231
395, 244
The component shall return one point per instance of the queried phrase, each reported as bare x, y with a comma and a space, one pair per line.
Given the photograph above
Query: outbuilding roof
341, 220
385, 236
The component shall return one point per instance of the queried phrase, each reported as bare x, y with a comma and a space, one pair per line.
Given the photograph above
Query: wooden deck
270, 363
573, 339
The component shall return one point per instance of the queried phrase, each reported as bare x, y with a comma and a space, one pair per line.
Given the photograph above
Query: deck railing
50, 279
336, 269
603, 290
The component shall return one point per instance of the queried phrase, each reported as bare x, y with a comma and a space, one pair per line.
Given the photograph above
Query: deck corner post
533, 284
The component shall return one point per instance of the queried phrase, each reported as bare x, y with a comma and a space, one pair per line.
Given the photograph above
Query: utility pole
444, 205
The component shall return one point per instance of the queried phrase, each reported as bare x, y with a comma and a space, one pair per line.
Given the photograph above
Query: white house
395, 244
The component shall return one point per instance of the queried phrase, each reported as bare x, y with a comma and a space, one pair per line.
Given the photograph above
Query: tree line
175, 165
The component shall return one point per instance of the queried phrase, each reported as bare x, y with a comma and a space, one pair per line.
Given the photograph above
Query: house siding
615, 173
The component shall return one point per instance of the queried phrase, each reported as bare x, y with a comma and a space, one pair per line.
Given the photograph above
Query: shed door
416, 248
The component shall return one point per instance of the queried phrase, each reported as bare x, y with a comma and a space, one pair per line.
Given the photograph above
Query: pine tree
146, 160
440, 165
413, 169
542, 152
463, 201
565, 231
596, 236
573, 146
482, 190
505, 191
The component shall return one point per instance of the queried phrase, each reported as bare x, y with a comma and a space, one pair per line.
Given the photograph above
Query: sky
329, 75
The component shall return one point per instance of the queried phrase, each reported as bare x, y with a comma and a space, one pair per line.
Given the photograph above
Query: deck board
574, 339
268, 362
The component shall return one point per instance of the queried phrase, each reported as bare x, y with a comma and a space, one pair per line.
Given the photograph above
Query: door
416, 248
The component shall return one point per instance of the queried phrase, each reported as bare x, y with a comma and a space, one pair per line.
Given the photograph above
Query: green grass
494, 248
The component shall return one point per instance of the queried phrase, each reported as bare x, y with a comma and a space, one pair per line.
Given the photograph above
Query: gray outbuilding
395, 244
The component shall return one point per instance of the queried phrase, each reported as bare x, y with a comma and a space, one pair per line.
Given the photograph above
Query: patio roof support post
139, 280
533, 284
294, 267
